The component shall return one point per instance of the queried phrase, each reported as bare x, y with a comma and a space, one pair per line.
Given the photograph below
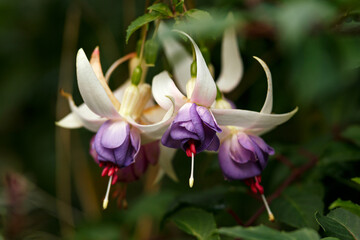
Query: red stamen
188, 152
111, 171
192, 146
191, 149
259, 188
105, 171
253, 188
115, 178
101, 164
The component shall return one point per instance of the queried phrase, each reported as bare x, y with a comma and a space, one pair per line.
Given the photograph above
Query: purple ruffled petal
243, 156
192, 123
233, 170
116, 143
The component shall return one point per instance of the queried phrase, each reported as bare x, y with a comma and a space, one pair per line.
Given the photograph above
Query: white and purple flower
114, 117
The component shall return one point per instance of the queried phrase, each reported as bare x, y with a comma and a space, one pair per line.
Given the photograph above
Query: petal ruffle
163, 87
96, 94
231, 63
204, 92
249, 120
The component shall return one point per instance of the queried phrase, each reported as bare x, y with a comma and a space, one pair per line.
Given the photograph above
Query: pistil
255, 187
109, 170
106, 199
190, 152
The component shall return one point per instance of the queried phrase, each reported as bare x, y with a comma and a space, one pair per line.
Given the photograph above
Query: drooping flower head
194, 127
115, 118
148, 154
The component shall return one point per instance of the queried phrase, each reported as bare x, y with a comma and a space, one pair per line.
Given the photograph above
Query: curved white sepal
177, 55
268, 104
88, 119
250, 120
156, 130
232, 67
162, 87
204, 92
96, 64
153, 114
96, 94
70, 121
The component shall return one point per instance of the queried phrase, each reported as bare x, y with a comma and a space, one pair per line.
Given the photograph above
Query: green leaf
179, 7
340, 223
296, 18
196, 222
353, 133
161, 8
304, 234
330, 238
356, 179
198, 14
348, 205
265, 233
296, 207
338, 152
140, 21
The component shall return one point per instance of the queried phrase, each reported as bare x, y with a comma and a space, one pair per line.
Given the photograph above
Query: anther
111, 171
105, 171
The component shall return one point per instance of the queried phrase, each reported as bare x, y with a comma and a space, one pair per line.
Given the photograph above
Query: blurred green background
50, 188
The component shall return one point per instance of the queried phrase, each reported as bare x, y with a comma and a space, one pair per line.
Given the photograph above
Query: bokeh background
51, 189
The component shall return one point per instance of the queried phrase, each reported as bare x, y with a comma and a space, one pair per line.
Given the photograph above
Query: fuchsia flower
114, 117
194, 127
242, 153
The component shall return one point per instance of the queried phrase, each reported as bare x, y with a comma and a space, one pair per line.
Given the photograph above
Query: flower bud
129, 100
136, 76
151, 50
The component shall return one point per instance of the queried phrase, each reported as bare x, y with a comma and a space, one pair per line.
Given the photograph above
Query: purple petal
114, 133
238, 153
262, 144
233, 170
207, 117
214, 145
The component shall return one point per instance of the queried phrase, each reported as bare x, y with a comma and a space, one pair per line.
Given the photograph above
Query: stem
144, 33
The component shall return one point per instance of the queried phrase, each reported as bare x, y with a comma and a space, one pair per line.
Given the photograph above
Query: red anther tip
101, 164
188, 152
115, 178
104, 172
253, 189
111, 171
259, 188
